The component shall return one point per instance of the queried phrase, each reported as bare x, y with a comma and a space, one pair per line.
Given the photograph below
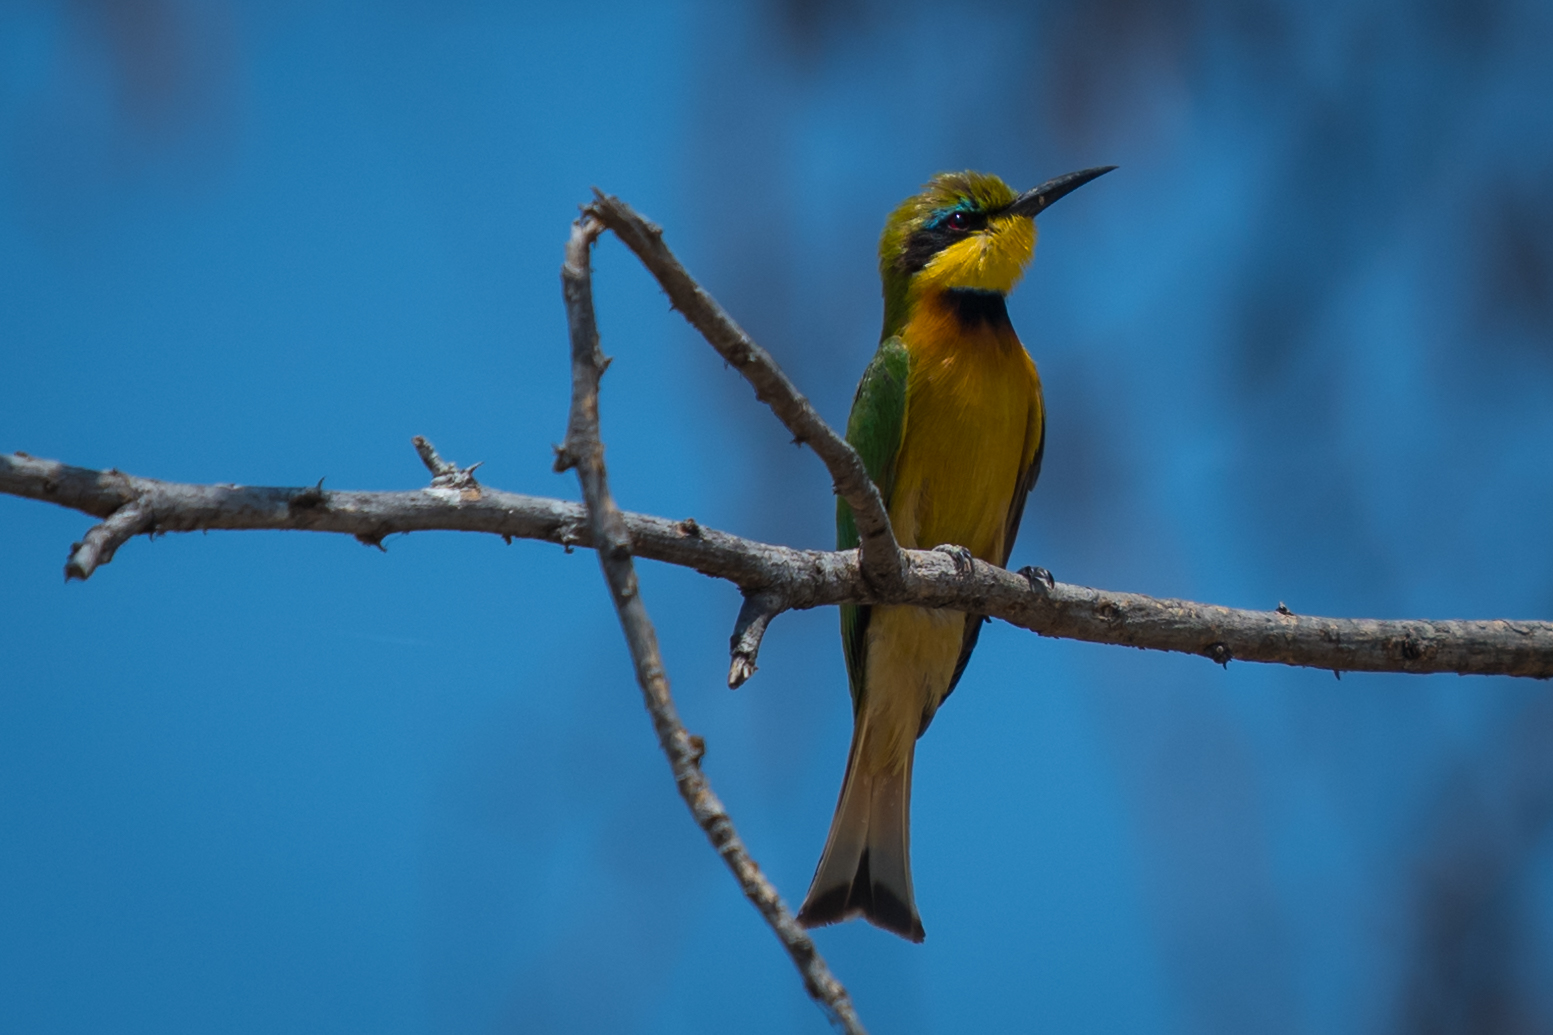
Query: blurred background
1299, 349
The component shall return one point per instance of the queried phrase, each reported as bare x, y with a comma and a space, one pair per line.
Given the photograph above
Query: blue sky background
1299, 348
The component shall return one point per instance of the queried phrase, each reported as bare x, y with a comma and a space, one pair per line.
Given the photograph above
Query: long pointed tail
866, 867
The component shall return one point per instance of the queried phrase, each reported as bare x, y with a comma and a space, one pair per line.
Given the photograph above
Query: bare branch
585, 452
817, 578
446, 475
883, 563
744, 645
372, 516
100, 543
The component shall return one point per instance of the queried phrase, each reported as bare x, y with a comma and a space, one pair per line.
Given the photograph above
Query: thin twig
820, 578
438, 467
100, 543
446, 474
883, 564
181, 507
583, 450
744, 645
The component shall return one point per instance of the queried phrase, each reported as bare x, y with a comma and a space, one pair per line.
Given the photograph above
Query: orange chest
974, 419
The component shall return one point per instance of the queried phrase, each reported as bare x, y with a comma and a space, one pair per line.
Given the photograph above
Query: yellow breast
974, 419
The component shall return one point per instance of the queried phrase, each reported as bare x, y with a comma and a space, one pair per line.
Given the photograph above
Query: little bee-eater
949, 422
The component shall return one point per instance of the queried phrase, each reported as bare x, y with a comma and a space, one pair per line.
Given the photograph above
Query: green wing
874, 429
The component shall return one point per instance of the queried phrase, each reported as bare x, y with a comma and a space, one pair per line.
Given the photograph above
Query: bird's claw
964, 562
1033, 575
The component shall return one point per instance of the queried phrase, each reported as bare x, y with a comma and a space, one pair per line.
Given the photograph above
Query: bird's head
964, 230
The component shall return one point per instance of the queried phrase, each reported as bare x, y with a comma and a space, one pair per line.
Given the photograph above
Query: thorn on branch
308, 499
372, 539
1283, 609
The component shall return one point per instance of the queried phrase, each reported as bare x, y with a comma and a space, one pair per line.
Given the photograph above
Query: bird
950, 424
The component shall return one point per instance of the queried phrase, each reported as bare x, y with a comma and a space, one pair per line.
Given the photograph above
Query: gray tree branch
612, 538
883, 564
799, 579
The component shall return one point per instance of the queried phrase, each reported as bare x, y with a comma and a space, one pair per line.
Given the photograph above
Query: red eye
958, 221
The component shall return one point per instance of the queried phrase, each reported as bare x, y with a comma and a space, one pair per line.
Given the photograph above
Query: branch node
445, 473
690, 528
1219, 653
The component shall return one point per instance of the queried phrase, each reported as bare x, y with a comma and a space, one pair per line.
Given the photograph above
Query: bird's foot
964, 562
1034, 575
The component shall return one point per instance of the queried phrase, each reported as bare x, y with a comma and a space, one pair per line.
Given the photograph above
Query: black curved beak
1035, 201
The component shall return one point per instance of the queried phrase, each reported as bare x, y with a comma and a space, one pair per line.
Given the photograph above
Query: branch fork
584, 451
883, 564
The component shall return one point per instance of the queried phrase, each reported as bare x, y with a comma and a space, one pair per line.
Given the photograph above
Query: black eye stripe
937, 235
